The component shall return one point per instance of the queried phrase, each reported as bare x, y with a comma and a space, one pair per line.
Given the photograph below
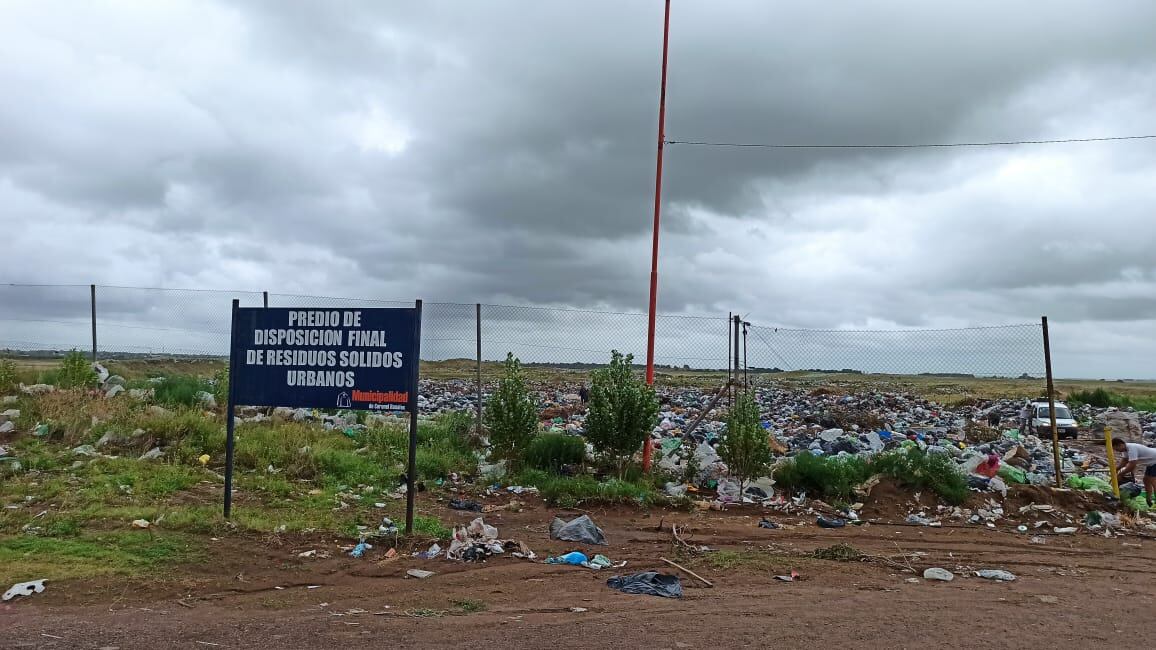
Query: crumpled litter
995, 574
24, 589
479, 541
465, 504
578, 558
649, 583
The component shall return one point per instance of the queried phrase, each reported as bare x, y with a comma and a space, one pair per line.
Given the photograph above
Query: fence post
265, 299
92, 289
1052, 402
738, 319
478, 319
730, 317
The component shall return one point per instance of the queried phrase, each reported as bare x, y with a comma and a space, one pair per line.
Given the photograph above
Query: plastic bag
1013, 474
581, 530
649, 583
1089, 483
728, 491
576, 558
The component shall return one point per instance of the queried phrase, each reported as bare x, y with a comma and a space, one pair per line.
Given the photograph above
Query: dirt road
254, 593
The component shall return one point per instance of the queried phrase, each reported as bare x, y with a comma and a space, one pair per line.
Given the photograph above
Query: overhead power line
921, 145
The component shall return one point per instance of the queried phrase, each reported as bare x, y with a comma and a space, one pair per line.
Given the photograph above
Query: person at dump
1131, 456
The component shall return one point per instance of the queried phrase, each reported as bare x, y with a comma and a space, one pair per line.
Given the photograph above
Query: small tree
623, 411
511, 415
745, 448
7, 375
76, 372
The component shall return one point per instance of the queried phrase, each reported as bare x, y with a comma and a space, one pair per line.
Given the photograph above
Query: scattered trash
204, 459
649, 583
831, 522
791, 578
420, 574
576, 558
1036, 539
937, 573
1068, 530
479, 541
434, 551
387, 527
360, 549
140, 523
152, 454
581, 530
463, 504
578, 610
1051, 600
24, 589
767, 523
995, 574
918, 520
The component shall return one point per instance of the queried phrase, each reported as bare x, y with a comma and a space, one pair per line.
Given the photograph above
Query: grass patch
568, 492
468, 606
1103, 399
838, 553
552, 451
127, 553
837, 477
431, 527
920, 470
830, 477
181, 390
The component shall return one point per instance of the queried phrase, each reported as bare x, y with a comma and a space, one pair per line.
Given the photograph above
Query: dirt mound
890, 501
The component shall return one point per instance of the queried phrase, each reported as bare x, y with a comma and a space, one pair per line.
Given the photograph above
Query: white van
1042, 422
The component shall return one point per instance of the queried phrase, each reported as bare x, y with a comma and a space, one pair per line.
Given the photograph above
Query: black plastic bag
649, 583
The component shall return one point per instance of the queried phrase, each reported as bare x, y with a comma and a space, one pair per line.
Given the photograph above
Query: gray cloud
504, 151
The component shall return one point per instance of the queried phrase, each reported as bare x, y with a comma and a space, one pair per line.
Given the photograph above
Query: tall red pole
657, 217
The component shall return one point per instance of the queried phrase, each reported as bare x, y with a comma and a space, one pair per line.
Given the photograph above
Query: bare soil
255, 592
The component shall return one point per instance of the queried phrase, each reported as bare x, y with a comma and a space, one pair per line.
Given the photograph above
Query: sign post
344, 359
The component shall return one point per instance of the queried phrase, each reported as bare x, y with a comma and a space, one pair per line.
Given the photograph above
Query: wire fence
127, 321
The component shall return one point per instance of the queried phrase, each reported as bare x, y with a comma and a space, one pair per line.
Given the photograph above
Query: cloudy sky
503, 151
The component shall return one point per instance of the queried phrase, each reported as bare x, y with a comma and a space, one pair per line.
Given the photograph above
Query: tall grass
1103, 399
552, 451
837, 477
181, 390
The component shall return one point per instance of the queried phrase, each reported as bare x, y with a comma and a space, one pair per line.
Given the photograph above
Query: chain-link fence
39, 319
1004, 351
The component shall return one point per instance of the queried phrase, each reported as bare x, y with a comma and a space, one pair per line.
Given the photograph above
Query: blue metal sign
325, 358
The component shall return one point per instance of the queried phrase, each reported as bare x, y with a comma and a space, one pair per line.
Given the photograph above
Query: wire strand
923, 145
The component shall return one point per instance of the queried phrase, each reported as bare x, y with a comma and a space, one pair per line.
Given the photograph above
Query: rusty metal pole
1052, 403
734, 392
657, 216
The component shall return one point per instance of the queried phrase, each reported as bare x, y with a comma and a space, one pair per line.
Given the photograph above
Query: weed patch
126, 553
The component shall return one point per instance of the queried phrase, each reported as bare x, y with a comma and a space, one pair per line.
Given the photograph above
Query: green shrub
623, 411
75, 372
744, 448
568, 492
920, 470
180, 390
221, 385
551, 451
511, 416
8, 379
835, 477
828, 477
1099, 398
